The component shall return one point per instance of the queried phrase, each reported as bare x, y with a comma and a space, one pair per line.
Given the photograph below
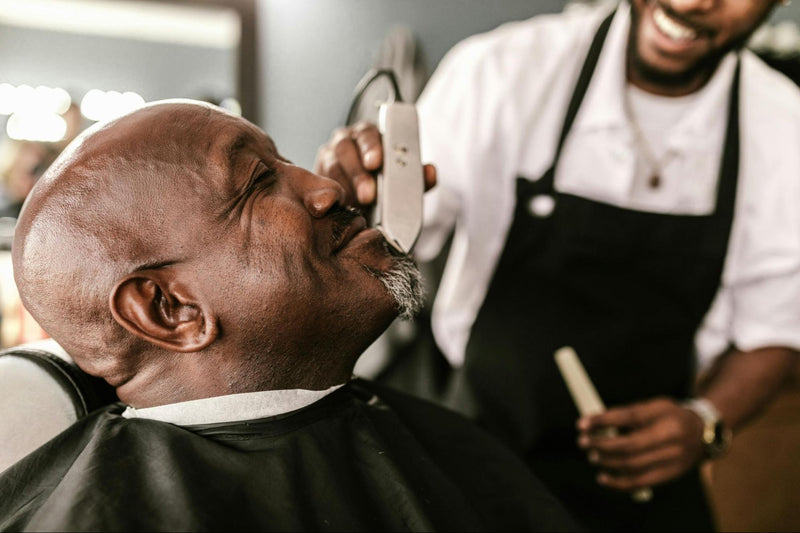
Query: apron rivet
541, 205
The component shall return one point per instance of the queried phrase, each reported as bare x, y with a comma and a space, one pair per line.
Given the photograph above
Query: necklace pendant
655, 181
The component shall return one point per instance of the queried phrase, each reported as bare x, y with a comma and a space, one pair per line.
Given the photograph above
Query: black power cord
364, 88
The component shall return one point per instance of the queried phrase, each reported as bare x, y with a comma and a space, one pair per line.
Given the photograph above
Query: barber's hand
658, 440
353, 156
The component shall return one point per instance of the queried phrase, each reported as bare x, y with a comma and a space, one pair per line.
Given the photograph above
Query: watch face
709, 434
721, 441
716, 436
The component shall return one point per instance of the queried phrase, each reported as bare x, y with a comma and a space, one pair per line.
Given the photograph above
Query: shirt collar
231, 408
603, 107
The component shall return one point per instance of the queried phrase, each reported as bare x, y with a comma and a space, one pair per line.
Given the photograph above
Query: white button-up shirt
493, 111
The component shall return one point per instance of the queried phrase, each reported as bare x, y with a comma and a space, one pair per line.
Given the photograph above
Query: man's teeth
672, 28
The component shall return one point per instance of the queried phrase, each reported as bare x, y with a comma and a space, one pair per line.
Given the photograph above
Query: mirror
65, 64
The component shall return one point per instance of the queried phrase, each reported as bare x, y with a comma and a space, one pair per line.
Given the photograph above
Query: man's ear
158, 308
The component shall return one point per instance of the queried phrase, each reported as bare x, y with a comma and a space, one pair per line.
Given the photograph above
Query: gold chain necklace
641, 142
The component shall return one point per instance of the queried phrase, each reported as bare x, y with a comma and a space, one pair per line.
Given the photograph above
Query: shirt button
541, 205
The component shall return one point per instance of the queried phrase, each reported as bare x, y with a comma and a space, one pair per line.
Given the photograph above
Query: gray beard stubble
403, 281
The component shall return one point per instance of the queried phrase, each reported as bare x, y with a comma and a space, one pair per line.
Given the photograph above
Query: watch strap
716, 436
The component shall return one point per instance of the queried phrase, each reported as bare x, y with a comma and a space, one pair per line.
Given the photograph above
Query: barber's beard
702, 70
697, 73
403, 281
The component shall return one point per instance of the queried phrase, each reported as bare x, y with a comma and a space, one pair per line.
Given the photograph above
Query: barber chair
42, 392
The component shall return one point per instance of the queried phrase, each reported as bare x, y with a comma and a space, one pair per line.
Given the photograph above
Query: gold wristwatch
716, 435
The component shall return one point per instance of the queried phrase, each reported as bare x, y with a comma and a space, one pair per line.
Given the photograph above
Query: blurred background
291, 67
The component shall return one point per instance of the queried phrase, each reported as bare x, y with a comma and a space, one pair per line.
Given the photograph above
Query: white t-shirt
493, 111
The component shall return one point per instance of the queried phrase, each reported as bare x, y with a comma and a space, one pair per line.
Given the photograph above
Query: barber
623, 181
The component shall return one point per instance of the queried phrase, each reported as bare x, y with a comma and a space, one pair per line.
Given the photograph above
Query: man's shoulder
439, 429
409, 405
29, 483
547, 35
453, 470
768, 90
494, 478
570, 23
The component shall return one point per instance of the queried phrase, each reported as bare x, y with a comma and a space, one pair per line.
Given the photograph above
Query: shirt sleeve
755, 314
440, 145
758, 304
767, 312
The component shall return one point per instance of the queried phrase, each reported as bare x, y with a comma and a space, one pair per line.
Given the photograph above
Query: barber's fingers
327, 165
627, 416
627, 470
360, 154
350, 160
645, 469
664, 430
637, 461
430, 176
628, 481
657, 440
351, 156
370, 145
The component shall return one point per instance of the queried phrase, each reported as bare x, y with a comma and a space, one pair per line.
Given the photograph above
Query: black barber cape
362, 458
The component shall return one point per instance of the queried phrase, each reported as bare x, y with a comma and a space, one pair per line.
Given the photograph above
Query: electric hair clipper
401, 181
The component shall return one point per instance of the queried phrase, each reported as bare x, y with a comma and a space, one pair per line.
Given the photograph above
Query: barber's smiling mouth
676, 32
672, 28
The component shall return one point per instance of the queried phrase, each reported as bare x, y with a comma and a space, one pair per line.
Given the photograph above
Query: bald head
175, 253
105, 209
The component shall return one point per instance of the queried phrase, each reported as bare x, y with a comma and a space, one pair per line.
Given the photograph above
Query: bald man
227, 294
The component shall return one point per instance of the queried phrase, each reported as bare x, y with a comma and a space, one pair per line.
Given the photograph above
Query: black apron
628, 290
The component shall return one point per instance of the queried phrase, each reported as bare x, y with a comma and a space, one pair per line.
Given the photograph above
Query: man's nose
320, 194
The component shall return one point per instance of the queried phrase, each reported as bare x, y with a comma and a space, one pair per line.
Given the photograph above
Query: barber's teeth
671, 28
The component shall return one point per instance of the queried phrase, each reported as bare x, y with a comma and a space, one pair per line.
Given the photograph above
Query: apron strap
729, 167
582, 85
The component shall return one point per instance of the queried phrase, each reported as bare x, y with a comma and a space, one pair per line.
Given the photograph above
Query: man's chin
402, 279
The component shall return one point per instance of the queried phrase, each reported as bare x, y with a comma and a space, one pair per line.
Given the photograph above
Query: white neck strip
231, 408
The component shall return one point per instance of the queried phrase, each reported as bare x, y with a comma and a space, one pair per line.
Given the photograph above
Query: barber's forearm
745, 382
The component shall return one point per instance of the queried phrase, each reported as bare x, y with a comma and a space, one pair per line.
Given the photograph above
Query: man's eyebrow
232, 151
236, 145
154, 265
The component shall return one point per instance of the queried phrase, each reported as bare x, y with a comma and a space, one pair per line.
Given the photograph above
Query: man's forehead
179, 133
230, 137
207, 128
235, 136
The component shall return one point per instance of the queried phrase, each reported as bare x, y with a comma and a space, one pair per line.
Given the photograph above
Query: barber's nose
688, 6
320, 194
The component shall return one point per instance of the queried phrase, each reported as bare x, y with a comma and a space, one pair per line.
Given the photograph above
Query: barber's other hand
657, 440
353, 156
